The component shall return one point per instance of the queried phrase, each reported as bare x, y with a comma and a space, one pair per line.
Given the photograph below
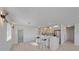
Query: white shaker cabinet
54, 43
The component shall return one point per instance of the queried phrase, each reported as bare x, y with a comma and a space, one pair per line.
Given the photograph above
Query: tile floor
67, 46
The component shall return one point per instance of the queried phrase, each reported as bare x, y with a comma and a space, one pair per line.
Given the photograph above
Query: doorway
20, 36
70, 34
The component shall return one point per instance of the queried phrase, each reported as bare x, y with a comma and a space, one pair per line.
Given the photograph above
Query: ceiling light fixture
50, 27
3, 15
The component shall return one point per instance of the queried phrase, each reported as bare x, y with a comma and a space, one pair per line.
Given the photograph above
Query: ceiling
38, 16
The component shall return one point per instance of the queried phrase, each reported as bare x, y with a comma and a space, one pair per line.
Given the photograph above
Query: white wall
76, 34
0, 32
29, 32
4, 44
76, 41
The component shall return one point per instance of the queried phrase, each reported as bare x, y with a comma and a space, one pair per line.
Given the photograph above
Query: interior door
20, 36
70, 34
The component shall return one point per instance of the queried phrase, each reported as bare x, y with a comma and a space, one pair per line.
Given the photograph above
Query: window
9, 32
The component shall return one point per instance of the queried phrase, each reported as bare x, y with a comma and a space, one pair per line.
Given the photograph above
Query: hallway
68, 46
